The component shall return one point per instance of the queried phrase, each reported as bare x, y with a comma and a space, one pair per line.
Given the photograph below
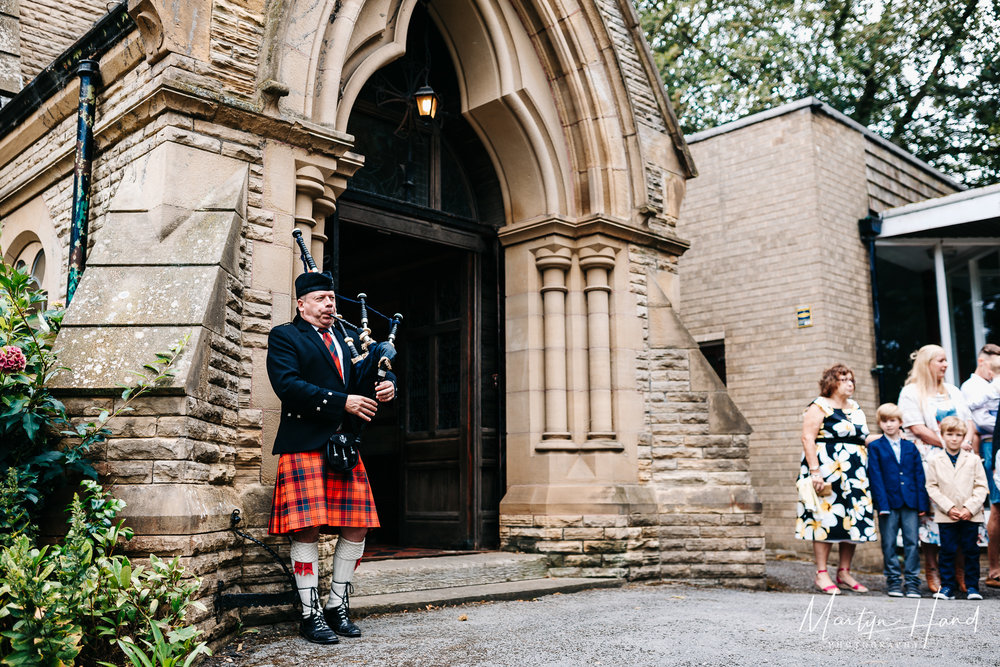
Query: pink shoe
829, 590
857, 588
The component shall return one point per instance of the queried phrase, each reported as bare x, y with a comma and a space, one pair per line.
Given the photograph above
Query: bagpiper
322, 394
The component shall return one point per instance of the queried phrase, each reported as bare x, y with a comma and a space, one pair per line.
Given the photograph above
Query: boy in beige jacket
956, 483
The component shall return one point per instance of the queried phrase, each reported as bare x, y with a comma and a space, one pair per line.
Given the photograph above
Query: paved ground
644, 624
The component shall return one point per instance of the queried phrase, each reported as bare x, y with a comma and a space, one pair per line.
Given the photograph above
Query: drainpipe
869, 228
89, 72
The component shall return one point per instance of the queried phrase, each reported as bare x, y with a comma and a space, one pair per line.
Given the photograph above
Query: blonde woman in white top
925, 400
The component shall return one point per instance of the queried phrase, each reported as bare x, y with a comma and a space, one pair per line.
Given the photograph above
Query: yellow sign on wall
804, 316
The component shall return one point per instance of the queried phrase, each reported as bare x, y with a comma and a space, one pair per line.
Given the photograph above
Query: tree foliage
923, 74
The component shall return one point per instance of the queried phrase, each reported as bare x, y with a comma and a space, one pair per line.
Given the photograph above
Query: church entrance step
443, 572
524, 589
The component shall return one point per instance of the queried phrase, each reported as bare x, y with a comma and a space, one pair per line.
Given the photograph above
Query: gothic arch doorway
416, 230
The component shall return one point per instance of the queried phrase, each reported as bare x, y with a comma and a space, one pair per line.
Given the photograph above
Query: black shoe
315, 630
340, 623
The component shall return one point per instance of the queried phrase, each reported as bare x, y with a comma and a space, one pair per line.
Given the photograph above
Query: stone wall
708, 514
652, 112
693, 514
191, 453
49, 27
11, 79
772, 220
236, 36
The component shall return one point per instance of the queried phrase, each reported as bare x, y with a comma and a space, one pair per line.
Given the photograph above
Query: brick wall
752, 261
772, 219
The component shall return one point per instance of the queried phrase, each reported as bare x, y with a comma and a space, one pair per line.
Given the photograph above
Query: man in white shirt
982, 393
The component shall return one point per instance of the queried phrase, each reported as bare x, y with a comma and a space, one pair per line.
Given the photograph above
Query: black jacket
305, 379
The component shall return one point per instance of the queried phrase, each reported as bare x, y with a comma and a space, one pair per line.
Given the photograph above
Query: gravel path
657, 624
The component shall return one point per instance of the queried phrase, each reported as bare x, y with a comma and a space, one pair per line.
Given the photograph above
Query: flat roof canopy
969, 214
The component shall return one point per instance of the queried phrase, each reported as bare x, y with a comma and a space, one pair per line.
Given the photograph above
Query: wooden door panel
428, 451
435, 442
432, 488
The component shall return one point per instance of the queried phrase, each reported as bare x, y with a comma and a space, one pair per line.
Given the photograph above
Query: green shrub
76, 601
16, 495
80, 602
30, 415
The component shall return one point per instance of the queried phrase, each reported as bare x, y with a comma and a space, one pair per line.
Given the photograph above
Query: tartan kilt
307, 495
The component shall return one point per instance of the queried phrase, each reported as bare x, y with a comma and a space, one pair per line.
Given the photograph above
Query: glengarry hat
313, 282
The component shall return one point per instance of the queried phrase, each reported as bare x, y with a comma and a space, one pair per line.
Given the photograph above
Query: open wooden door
433, 456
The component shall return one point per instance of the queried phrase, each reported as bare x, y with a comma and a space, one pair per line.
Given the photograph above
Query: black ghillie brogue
314, 627
315, 630
340, 622
339, 617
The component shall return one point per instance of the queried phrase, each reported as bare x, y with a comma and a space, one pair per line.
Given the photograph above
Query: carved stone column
553, 265
308, 186
323, 206
597, 263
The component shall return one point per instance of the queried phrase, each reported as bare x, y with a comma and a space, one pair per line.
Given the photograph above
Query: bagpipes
342, 448
385, 351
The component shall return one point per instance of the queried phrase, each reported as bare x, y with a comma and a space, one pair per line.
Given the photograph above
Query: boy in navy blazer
896, 477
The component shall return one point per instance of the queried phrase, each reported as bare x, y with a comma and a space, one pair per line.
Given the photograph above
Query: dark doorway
434, 454
417, 232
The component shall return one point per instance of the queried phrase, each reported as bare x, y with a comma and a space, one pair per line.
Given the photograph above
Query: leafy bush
80, 602
30, 416
15, 496
76, 601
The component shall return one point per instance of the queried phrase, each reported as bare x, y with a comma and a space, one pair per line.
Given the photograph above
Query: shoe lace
316, 609
345, 600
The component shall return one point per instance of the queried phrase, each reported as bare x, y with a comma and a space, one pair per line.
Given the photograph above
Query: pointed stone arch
539, 82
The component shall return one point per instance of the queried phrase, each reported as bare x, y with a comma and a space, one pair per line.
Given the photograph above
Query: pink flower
12, 359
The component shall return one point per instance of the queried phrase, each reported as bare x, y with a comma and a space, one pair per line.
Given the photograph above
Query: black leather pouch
342, 452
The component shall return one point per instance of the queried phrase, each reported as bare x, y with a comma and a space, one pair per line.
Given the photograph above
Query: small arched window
32, 259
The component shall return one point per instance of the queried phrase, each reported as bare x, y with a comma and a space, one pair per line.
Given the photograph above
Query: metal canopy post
944, 310
976, 297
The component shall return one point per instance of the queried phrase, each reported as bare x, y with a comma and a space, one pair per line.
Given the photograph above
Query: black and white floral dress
846, 514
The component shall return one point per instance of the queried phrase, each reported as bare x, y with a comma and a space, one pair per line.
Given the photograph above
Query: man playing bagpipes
322, 399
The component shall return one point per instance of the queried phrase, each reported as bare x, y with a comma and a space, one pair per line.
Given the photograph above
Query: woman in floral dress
834, 452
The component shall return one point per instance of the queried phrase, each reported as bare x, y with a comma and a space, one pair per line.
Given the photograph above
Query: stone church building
551, 400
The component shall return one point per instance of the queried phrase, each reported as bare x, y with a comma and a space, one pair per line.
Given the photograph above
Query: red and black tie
328, 339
